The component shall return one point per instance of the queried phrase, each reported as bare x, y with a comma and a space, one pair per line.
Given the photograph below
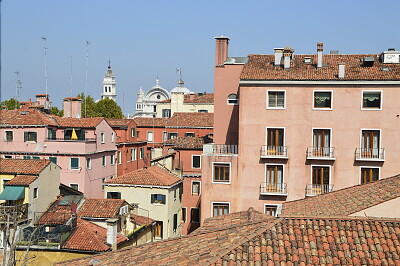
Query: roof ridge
339, 217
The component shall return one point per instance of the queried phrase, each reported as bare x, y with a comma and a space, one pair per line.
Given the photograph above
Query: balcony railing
370, 154
10, 214
69, 139
274, 152
325, 153
224, 149
279, 189
318, 189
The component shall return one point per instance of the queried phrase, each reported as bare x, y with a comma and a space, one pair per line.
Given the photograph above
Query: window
276, 99
196, 161
196, 187
321, 142
221, 172
220, 208
35, 193
370, 143
53, 159
112, 159
119, 157
274, 175
195, 215
203, 111
275, 142
8, 135
27, 157
102, 137
372, 100
172, 135
150, 136
74, 164
74, 134
166, 112
175, 194
323, 99
113, 195
320, 175
74, 186
233, 99
133, 131
51, 134
112, 136
165, 136
35, 157
270, 210
30, 136
184, 214
141, 153
369, 174
8, 156
189, 134
103, 160
175, 223
158, 229
133, 154
88, 163
157, 199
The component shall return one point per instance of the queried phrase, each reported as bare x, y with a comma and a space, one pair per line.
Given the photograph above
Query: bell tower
109, 85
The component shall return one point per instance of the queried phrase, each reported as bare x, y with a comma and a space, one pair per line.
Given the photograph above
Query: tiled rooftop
192, 120
78, 122
346, 201
141, 220
192, 143
90, 237
196, 98
151, 121
56, 213
21, 166
274, 241
101, 208
118, 122
261, 67
151, 176
21, 180
25, 117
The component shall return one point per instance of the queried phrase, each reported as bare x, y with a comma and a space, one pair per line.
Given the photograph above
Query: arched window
233, 99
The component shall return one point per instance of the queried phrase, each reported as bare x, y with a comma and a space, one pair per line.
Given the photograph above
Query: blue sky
146, 39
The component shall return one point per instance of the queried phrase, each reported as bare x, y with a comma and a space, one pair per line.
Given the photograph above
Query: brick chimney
221, 49
112, 233
320, 49
72, 107
278, 56
287, 56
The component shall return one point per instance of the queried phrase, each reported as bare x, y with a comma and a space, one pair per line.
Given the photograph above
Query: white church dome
180, 88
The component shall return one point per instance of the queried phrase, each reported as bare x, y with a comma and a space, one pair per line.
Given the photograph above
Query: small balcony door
370, 143
274, 178
321, 142
275, 138
320, 180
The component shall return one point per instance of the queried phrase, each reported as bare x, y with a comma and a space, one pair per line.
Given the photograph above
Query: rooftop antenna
70, 85
45, 60
86, 75
17, 87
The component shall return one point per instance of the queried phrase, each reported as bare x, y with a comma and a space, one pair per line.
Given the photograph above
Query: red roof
195, 98
90, 237
192, 120
21, 180
188, 143
152, 176
261, 67
346, 201
141, 220
56, 213
118, 122
78, 122
151, 121
25, 117
101, 208
22, 166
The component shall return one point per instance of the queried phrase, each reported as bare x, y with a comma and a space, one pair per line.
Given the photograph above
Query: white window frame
133, 154
191, 188
194, 135
37, 192
133, 132
184, 220
5, 135
274, 164
272, 205
322, 108
90, 163
376, 167
150, 133
284, 100
112, 136
104, 160
119, 157
102, 138
112, 159
371, 129
369, 108
219, 202
321, 128
70, 166
74, 184
321, 165
165, 136
284, 134
237, 99
172, 133
197, 155
230, 173
141, 156
191, 215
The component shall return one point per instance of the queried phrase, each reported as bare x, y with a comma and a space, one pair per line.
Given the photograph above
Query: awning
12, 193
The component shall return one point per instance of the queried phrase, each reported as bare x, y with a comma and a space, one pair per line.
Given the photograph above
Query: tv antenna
17, 86
86, 75
70, 85
45, 61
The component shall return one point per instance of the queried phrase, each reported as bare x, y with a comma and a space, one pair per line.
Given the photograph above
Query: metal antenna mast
71, 78
45, 61
86, 76
17, 87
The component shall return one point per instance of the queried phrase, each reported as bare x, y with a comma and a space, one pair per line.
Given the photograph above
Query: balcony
279, 152
11, 214
222, 148
271, 189
321, 153
71, 140
370, 154
318, 189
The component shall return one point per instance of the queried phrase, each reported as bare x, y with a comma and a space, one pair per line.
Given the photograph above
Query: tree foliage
104, 108
55, 111
90, 107
10, 104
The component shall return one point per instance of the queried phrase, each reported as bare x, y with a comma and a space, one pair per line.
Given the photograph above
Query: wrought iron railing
370, 154
225, 149
318, 189
321, 152
274, 151
273, 189
69, 139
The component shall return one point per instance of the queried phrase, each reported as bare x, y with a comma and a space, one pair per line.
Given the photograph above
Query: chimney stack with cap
221, 49
287, 56
342, 67
278, 56
112, 233
320, 49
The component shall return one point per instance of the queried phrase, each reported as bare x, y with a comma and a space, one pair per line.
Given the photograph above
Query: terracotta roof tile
21, 180
191, 143
151, 176
101, 208
346, 201
196, 98
192, 120
151, 121
25, 117
56, 213
118, 122
90, 237
22, 166
141, 220
78, 122
260, 67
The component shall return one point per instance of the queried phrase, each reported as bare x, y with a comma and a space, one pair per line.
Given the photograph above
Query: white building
146, 105
109, 85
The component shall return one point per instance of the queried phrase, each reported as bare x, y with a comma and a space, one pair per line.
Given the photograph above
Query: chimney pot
221, 49
278, 56
320, 49
342, 67
112, 233
287, 56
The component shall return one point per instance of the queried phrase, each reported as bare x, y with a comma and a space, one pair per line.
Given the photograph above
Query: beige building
158, 194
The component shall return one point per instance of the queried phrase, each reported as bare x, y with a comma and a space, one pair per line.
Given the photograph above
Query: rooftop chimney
72, 107
221, 49
287, 56
342, 67
112, 233
278, 56
320, 49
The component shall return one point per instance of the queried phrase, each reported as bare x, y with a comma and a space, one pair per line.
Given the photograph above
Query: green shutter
163, 199
74, 163
53, 159
25, 136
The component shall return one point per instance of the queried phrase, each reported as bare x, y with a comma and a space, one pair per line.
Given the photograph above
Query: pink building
295, 125
84, 148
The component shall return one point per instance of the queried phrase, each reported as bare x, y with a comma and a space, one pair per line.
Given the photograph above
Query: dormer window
307, 60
